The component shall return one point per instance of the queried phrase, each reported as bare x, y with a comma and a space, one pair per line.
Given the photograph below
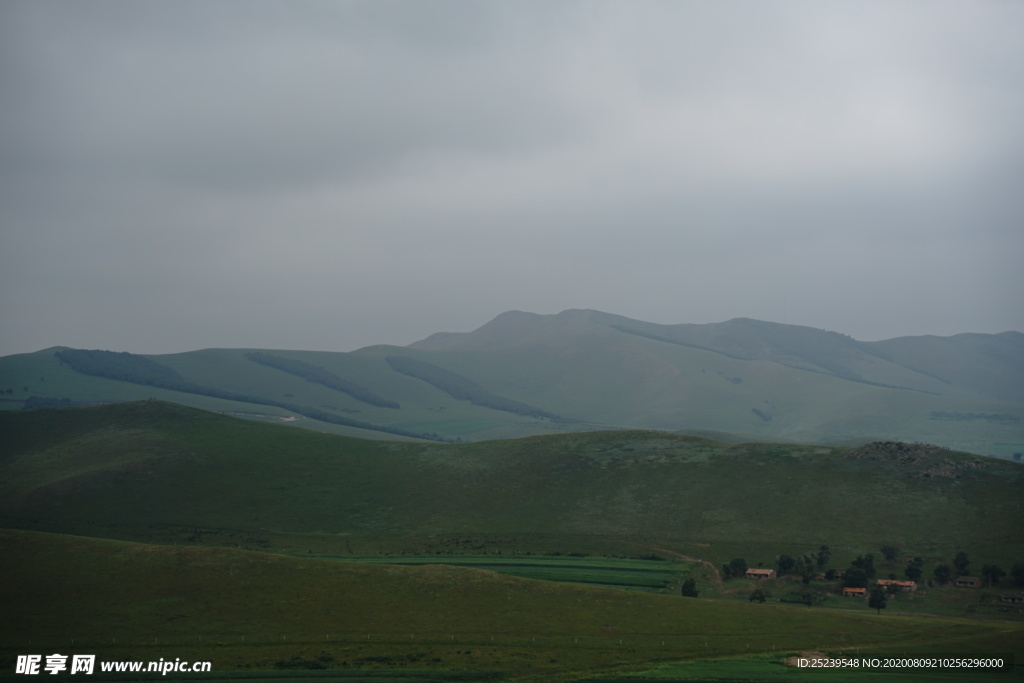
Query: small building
855, 592
967, 582
757, 573
1012, 598
905, 586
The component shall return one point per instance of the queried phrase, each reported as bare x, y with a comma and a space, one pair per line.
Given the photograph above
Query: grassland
627, 573
254, 611
152, 471
423, 559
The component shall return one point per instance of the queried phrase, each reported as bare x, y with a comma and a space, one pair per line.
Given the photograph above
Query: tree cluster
959, 566
736, 567
803, 566
862, 572
991, 573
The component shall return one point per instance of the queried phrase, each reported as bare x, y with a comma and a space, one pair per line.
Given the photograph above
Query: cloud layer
330, 175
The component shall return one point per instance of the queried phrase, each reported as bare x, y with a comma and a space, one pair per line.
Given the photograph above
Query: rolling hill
525, 374
158, 472
342, 515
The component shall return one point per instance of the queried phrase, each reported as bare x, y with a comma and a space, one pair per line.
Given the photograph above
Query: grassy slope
627, 573
979, 370
244, 609
151, 470
600, 370
615, 378
41, 374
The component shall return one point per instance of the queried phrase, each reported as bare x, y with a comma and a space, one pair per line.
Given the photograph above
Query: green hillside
524, 374
156, 471
258, 613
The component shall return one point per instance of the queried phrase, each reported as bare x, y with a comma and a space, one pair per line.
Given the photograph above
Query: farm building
1012, 598
760, 573
905, 586
968, 581
855, 592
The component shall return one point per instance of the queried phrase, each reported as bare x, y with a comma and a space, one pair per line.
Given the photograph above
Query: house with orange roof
758, 573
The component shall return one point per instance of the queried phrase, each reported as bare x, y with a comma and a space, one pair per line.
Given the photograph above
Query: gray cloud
328, 175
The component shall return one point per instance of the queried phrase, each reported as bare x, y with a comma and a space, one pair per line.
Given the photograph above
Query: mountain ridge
575, 315
750, 339
580, 370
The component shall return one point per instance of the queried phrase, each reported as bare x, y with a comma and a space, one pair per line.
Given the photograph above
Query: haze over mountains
524, 373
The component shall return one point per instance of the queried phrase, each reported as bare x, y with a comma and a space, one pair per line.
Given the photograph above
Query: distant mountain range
581, 370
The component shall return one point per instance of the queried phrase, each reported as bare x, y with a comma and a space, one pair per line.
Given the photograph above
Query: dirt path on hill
684, 558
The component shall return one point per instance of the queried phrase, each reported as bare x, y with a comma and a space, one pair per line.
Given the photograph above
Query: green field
427, 561
631, 574
261, 612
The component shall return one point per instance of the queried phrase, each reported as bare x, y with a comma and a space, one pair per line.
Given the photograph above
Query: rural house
855, 592
1012, 598
760, 573
905, 586
968, 581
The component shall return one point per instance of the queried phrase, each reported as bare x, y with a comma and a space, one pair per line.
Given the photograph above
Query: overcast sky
178, 174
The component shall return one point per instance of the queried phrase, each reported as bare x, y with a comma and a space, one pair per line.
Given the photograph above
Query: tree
690, 588
867, 563
992, 574
823, 555
961, 562
877, 599
943, 573
855, 577
915, 568
785, 564
890, 553
737, 567
758, 596
1018, 574
805, 568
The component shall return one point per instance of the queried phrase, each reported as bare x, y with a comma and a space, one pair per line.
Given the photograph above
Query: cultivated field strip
631, 574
